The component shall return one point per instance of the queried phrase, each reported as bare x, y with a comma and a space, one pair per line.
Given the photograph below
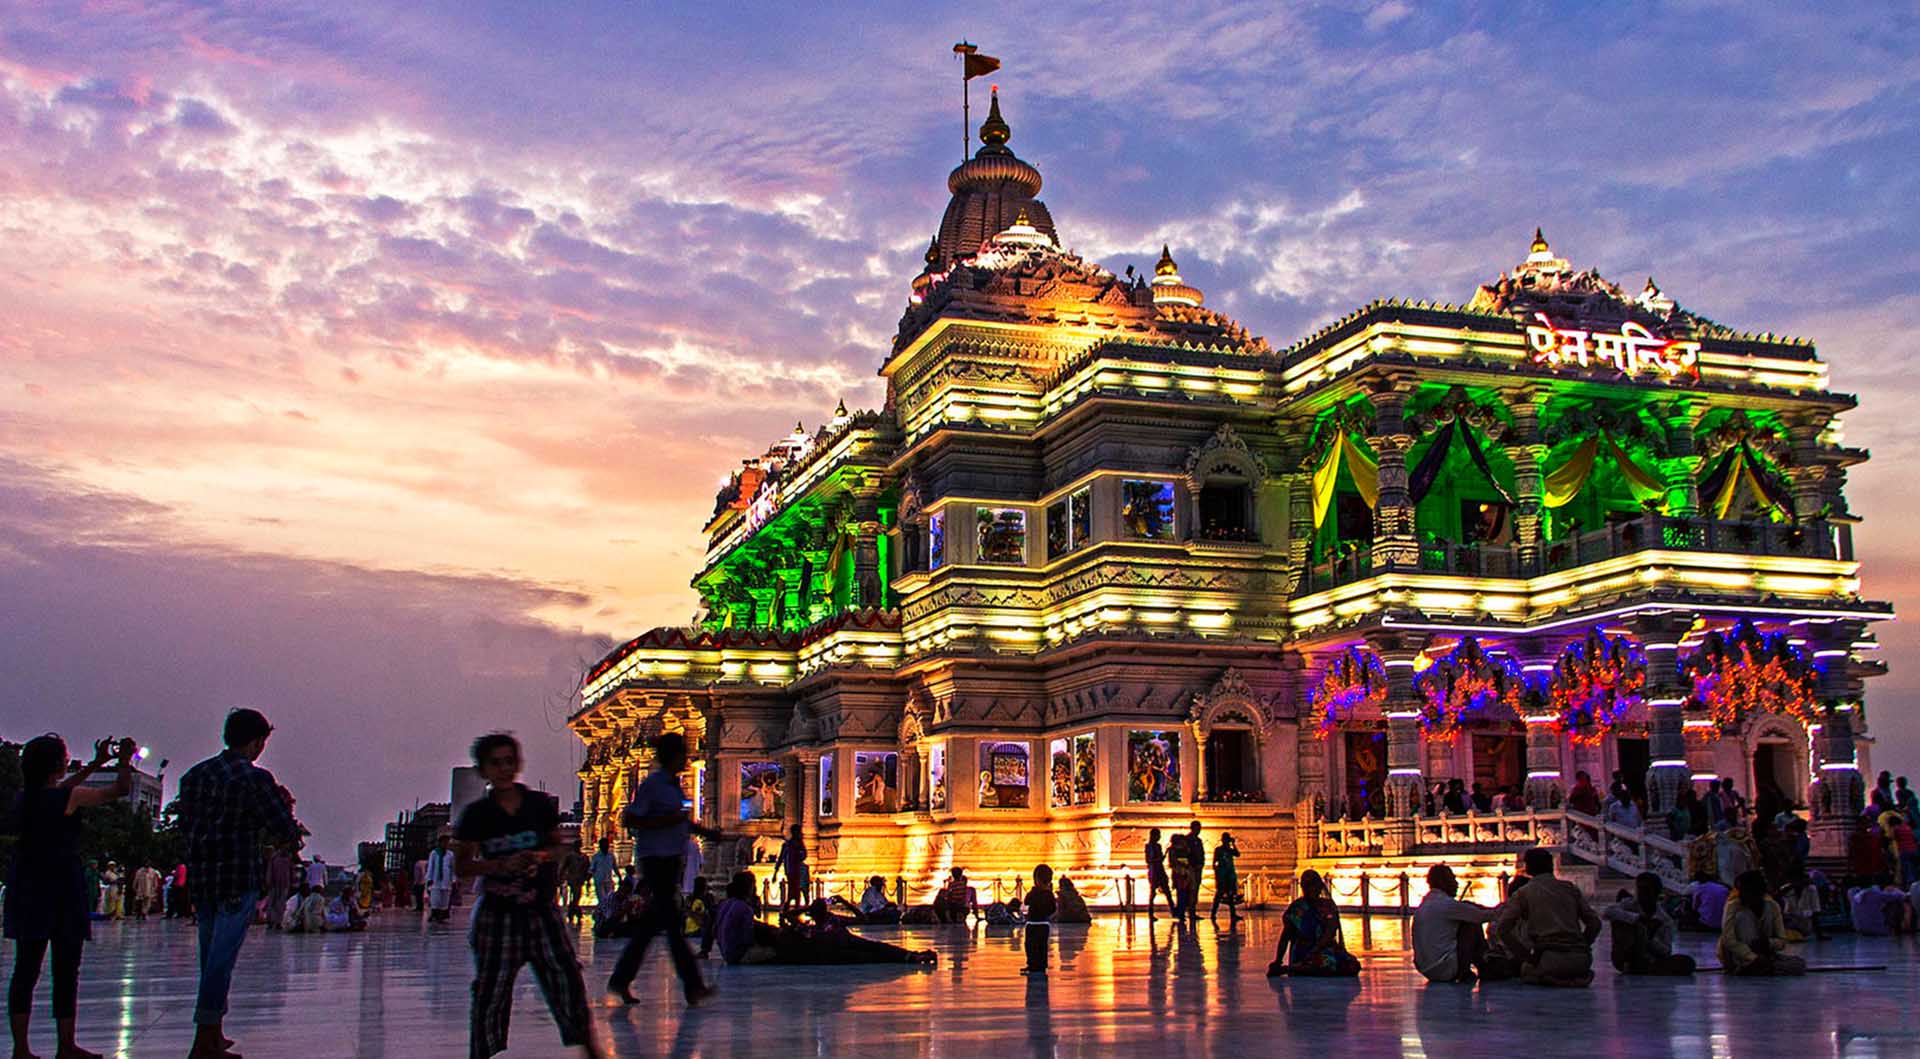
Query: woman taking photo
47, 900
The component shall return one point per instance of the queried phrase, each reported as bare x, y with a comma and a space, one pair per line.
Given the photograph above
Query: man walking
658, 820
603, 867
509, 837
228, 807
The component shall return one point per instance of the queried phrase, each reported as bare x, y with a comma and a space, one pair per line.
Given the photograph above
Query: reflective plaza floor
1118, 987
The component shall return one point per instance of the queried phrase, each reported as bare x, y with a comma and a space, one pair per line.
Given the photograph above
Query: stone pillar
1300, 527
1394, 541
1526, 449
1402, 709
1813, 477
1681, 468
1544, 783
1659, 635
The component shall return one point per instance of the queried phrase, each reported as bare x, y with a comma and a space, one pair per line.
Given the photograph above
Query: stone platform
1119, 987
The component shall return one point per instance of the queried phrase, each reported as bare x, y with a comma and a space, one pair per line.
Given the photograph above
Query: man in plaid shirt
230, 809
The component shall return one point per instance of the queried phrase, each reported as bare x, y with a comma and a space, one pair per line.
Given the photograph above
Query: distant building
467, 788
411, 835
145, 795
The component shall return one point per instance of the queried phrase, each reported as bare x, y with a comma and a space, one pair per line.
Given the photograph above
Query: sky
375, 364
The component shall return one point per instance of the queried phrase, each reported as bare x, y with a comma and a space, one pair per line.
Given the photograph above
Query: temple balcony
1813, 539
1651, 556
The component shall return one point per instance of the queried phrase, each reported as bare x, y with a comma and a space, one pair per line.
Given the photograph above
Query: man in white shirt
603, 867
317, 873
441, 876
692, 861
1448, 943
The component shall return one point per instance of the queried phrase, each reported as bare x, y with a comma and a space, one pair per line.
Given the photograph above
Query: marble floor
1118, 987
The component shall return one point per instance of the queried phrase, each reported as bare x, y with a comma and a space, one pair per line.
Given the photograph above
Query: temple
1106, 561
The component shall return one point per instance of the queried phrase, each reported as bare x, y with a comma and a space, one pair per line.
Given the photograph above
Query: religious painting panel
762, 791
1003, 535
1146, 509
1059, 773
826, 784
1083, 769
937, 776
1366, 773
1004, 775
876, 777
1153, 765
936, 541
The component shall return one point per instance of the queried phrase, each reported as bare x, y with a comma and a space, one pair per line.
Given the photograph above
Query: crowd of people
1750, 886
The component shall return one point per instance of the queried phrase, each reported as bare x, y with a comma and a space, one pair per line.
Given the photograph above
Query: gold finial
1165, 267
995, 132
1539, 242
933, 251
1022, 219
799, 427
840, 410
1651, 287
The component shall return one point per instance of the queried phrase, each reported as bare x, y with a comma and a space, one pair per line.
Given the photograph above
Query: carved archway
1226, 460
1230, 705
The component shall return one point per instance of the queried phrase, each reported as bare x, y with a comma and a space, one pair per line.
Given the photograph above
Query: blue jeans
223, 927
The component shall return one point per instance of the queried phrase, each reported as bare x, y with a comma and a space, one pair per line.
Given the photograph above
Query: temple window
762, 791
1153, 765
876, 781
1003, 535
1233, 765
1226, 510
1146, 509
1069, 522
1004, 775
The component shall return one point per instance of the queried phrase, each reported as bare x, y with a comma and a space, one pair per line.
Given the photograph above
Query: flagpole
964, 49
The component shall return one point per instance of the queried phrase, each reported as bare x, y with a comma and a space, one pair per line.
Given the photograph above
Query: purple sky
374, 364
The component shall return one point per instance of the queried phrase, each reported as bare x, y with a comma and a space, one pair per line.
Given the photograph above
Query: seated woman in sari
1310, 942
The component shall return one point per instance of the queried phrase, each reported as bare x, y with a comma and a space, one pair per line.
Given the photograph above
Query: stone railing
1626, 850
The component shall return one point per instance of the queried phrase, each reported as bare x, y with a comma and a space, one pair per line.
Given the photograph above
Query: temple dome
1168, 287
990, 191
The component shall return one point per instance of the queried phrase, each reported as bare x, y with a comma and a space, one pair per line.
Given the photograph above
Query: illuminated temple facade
1105, 561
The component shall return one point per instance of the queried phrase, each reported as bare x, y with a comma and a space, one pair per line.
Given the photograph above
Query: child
1041, 905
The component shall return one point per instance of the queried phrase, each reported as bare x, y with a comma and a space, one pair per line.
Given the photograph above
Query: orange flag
979, 65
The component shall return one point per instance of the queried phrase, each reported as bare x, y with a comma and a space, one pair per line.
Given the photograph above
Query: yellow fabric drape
1744, 469
1364, 469
1565, 483
1643, 484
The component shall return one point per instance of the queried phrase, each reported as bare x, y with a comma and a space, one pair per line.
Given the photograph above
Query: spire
1168, 287
995, 132
1022, 219
933, 252
1539, 242
1166, 267
840, 410
1651, 287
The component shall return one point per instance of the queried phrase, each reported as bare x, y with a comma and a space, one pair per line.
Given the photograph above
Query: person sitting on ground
1800, 908
343, 912
1733, 853
1073, 907
699, 908
876, 906
1448, 942
1311, 944
736, 928
1003, 913
1880, 909
290, 910
1560, 928
955, 899
311, 916
1643, 931
1754, 939
1709, 902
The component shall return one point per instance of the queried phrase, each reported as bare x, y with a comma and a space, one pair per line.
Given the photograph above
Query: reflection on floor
1117, 987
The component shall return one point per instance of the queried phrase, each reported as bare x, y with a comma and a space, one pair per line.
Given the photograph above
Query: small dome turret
1168, 287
